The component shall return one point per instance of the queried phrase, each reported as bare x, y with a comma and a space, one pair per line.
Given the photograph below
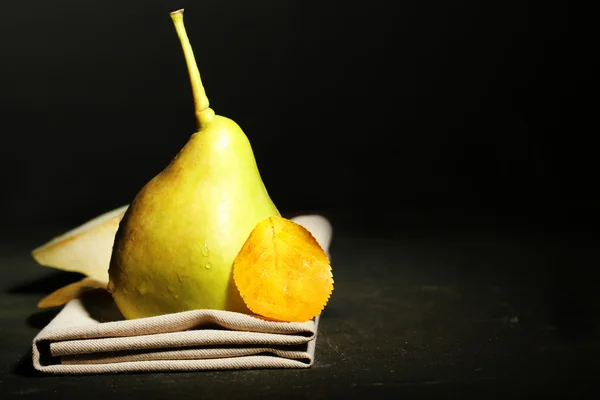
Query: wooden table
414, 311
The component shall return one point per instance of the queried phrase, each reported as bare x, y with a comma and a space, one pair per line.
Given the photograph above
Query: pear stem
204, 114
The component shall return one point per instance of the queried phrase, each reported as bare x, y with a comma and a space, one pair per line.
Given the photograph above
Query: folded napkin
90, 336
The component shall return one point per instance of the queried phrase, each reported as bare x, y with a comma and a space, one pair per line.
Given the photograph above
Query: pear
85, 249
175, 247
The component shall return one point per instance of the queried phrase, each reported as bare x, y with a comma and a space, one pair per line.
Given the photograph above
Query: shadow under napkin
90, 336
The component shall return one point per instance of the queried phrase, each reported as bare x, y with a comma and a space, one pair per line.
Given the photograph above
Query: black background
369, 112
393, 118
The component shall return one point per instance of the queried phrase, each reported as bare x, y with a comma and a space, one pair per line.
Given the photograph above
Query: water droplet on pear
205, 251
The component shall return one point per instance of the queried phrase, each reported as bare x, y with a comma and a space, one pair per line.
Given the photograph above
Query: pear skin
175, 247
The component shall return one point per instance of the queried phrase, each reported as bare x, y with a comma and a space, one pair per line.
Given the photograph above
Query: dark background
450, 143
373, 113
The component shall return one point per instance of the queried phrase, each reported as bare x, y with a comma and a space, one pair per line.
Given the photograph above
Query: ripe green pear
175, 247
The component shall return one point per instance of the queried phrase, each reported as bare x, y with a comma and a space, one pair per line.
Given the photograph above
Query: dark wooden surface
431, 311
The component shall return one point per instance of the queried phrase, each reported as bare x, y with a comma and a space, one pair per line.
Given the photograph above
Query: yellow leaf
282, 272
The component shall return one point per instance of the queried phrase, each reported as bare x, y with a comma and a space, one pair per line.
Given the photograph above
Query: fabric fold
74, 342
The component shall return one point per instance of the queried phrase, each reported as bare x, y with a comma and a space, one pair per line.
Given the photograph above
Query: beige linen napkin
89, 336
